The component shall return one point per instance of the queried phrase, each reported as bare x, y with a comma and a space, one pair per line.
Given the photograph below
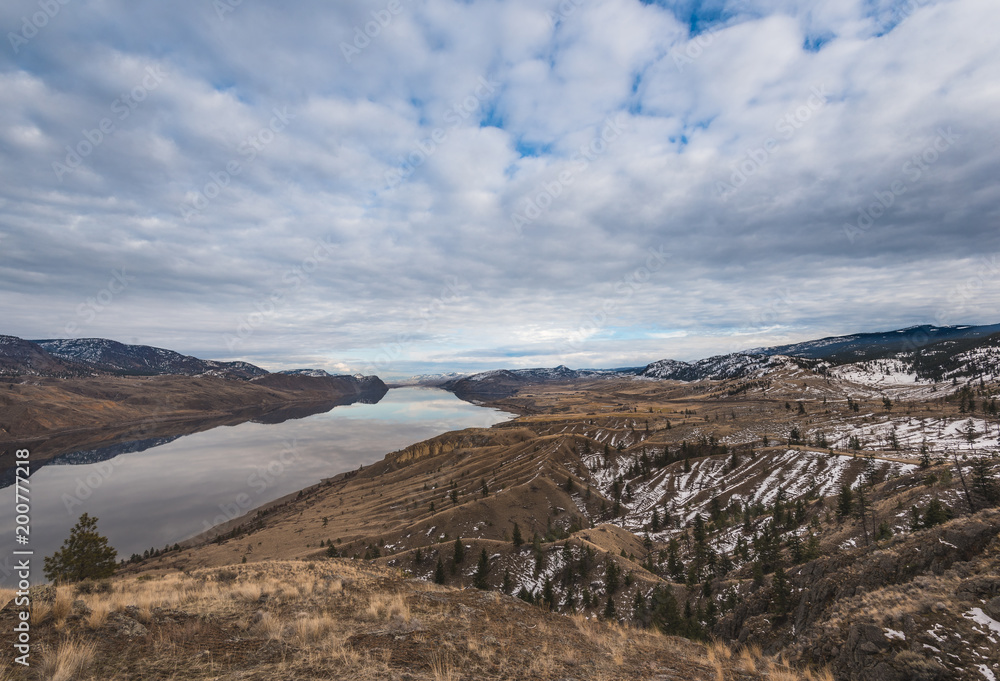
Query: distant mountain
501, 383
99, 356
118, 358
430, 379
314, 373
718, 368
866, 346
21, 357
931, 353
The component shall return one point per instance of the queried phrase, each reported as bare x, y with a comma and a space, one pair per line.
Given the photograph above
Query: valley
768, 516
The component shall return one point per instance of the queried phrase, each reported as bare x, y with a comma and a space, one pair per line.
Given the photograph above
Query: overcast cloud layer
407, 186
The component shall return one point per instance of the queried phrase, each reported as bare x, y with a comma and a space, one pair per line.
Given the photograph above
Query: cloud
747, 142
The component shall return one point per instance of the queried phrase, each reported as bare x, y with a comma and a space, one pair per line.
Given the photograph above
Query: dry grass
388, 606
99, 611
718, 655
749, 658
311, 631
269, 626
442, 669
316, 613
68, 659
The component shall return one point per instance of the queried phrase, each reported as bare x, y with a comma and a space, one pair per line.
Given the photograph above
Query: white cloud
687, 125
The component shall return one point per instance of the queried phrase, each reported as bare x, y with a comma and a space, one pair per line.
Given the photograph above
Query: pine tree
485, 489
548, 593
459, 551
711, 614
518, 539
610, 612
782, 594
675, 567
845, 501
611, 575
439, 572
482, 570
936, 513
665, 613
983, 483
84, 555
640, 612
925, 455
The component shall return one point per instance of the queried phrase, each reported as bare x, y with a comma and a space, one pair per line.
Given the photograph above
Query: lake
177, 489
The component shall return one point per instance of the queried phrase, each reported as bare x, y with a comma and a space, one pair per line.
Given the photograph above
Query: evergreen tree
640, 612
711, 614
983, 483
675, 567
459, 551
548, 593
508, 583
518, 539
482, 570
794, 437
84, 555
845, 501
485, 489
611, 576
610, 612
936, 513
439, 572
782, 593
883, 532
665, 613
925, 455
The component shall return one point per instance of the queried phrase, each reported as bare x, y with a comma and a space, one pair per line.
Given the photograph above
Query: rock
43, 594
122, 625
860, 652
992, 608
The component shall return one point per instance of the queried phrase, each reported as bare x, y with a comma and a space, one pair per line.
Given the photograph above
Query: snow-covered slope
109, 355
720, 367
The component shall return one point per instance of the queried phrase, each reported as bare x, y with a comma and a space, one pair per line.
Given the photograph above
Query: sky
398, 187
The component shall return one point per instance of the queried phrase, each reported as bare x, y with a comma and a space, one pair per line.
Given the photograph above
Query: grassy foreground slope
338, 619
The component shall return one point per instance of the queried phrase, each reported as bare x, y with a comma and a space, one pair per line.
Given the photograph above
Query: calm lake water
175, 490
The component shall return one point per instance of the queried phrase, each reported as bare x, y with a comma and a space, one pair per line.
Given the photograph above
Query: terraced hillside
726, 509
